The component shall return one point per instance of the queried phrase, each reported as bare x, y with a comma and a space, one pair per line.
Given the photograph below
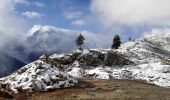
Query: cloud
132, 12
78, 22
39, 4
21, 1
61, 38
32, 14
72, 15
11, 25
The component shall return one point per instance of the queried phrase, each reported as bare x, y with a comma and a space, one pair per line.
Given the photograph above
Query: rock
44, 58
3, 85
125, 74
70, 81
68, 59
43, 78
6, 95
22, 70
75, 55
91, 59
37, 86
114, 58
99, 54
165, 62
19, 88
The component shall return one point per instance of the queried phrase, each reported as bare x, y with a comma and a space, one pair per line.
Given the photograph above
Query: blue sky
129, 18
54, 12
57, 12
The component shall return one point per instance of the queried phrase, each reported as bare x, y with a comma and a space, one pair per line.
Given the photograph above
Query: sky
129, 18
69, 14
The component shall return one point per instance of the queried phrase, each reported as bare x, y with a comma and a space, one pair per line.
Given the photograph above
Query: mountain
8, 64
146, 59
49, 40
152, 47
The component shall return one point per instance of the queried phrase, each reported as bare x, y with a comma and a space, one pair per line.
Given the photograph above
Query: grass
104, 90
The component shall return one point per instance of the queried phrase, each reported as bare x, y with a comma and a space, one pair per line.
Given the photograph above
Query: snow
152, 73
146, 53
57, 56
85, 52
76, 72
36, 78
98, 73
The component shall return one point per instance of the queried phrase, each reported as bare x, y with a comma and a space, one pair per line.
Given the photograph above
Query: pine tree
116, 42
130, 38
80, 41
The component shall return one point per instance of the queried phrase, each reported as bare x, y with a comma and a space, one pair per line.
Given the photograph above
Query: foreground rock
41, 75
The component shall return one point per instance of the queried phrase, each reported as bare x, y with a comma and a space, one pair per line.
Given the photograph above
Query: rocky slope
41, 75
152, 47
111, 64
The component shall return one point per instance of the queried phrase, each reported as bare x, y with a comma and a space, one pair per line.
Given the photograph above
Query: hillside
145, 60
100, 89
8, 64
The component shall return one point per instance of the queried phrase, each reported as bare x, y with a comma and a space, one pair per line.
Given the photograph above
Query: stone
114, 58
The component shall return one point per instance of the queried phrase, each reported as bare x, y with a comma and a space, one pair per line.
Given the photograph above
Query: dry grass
104, 90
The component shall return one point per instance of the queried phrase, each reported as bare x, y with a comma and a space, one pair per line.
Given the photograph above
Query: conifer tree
80, 41
130, 38
116, 42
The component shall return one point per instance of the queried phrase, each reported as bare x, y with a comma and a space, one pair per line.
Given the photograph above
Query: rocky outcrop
93, 58
165, 62
41, 75
114, 58
67, 58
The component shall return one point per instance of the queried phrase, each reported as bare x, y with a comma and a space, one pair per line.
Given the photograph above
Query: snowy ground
38, 76
148, 65
152, 73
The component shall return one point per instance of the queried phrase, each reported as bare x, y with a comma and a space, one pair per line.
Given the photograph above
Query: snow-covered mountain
49, 39
143, 59
152, 47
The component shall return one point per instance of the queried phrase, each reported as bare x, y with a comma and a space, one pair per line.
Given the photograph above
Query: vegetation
80, 41
116, 42
130, 39
102, 90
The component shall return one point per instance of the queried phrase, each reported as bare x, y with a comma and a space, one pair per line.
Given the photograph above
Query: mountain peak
48, 28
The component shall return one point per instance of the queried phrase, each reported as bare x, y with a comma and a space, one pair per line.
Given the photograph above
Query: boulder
91, 59
114, 58
68, 59
165, 62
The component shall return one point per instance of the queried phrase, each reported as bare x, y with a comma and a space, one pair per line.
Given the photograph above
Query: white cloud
73, 15
132, 12
79, 22
21, 1
39, 4
11, 25
32, 14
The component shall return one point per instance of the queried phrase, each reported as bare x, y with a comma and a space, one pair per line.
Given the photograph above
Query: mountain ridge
9, 64
136, 60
